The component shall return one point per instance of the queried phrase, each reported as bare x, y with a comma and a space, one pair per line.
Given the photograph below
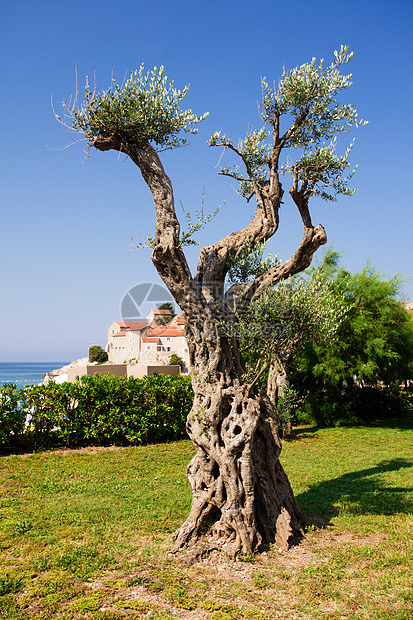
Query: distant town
136, 349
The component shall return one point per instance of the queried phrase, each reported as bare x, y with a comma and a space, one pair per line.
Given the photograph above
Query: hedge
98, 410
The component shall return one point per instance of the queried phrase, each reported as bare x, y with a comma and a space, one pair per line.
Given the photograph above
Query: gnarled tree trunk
240, 494
241, 497
277, 378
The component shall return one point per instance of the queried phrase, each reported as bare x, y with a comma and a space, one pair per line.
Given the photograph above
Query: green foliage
287, 403
254, 151
310, 91
346, 377
307, 97
146, 108
375, 340
143, 410
332, 406
250, 262
175, 360
11, 416
98, 410
168, 306
201, 220
280, 321
167, 318
97, 354
320, 169
47, 406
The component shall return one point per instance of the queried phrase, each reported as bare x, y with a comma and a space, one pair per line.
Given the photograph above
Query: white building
146, 343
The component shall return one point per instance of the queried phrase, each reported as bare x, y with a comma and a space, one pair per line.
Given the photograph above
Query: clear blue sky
65, 249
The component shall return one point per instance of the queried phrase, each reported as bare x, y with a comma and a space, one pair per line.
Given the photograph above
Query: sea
26, 373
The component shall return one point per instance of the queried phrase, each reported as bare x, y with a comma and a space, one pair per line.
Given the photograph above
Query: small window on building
148, 347
168, 339
186, 351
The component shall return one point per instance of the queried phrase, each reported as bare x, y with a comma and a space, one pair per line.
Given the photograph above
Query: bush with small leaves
97, 354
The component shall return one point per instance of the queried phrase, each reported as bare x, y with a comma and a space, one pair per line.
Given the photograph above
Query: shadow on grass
304, 432
358, 493
400, 423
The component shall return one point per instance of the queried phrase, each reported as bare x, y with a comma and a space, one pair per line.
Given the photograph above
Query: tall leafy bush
96, 410
12, 417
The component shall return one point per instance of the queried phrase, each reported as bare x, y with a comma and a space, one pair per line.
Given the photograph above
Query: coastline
26, 373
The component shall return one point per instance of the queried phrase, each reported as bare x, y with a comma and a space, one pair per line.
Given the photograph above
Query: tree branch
167, 254
312, 239
233, 176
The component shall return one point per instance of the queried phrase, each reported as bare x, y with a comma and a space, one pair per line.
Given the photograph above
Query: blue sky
66, 222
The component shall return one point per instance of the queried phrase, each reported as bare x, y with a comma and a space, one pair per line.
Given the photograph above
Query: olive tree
273, 329
241, 496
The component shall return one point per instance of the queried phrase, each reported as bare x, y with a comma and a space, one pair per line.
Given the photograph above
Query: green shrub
96, 410
48, 407
127, 410
97, 354
355, 405
12, 417
175, 360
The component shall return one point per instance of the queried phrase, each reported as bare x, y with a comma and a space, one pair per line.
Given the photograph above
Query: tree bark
277, 378
241, 497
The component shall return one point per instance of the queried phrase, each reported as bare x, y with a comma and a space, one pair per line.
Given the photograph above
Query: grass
85, 533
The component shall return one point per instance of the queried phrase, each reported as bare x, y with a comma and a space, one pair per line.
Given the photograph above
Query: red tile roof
145, 339
408, 306
169, 330
160, 312
154, 328
132, 326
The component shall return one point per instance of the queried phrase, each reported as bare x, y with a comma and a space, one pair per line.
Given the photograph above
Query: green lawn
85, 534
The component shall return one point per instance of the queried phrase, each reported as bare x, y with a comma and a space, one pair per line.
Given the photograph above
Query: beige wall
123, 348
147, 371
72, 373
117, 350
129, 348
121, 370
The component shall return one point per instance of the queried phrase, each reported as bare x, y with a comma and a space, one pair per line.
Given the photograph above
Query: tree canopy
373, 347
300, 309
375, 339
145, 108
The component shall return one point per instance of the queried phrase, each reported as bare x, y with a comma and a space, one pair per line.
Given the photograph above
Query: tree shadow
358, 493
399, 423
304, 432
